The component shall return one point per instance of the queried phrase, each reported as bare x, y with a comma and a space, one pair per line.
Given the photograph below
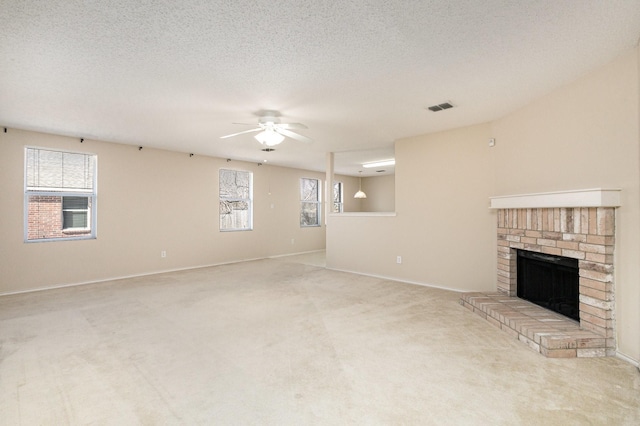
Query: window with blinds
309, 202
236, 204
60, 195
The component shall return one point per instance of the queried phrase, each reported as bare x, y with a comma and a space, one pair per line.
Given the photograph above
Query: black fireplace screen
549, 281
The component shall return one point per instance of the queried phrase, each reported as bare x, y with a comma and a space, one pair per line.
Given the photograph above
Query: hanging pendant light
360, 193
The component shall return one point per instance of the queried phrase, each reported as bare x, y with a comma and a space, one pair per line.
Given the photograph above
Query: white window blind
59, 171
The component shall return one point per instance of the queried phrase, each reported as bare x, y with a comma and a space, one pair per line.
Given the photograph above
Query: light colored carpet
284, 342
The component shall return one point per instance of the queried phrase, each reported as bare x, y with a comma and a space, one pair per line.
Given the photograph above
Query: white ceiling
359, 74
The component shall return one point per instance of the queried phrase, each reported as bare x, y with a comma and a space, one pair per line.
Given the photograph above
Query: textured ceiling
359, 74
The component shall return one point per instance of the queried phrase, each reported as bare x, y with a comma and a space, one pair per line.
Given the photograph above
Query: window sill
76, 231
78, 237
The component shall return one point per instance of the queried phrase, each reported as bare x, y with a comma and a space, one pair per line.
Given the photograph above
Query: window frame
69, 234
236, 199
317, 202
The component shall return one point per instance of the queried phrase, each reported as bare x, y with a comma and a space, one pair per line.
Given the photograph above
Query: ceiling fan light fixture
269, 137
271, 131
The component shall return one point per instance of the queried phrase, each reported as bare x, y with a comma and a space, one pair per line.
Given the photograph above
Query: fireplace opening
549, 281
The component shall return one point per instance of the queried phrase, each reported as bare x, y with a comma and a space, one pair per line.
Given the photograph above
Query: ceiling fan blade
292, 135
291, 126
240, 133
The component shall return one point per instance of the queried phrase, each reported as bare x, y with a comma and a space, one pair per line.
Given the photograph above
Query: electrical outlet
163, 253
399, 259
293, 241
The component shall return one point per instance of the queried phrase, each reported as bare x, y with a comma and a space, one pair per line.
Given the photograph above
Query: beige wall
584, 135
381, 193
148, 201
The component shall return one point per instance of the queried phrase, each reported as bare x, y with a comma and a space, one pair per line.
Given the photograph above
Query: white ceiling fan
272, 132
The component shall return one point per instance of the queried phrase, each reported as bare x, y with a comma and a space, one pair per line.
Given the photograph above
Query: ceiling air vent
440, 107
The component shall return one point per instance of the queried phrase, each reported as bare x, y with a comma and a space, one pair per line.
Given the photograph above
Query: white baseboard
276, 256
124, 277
145, 274
628, 359
456, 290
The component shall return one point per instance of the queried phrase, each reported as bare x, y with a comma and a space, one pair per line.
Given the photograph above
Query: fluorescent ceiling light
382, 163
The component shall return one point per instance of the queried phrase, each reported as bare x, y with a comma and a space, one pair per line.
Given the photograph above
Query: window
236, 207
309, 202
75, 213
60, 195
338, 201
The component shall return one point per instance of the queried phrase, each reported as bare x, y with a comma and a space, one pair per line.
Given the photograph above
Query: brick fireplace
585, 233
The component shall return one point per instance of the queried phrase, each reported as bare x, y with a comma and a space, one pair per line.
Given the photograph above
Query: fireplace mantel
597, 197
